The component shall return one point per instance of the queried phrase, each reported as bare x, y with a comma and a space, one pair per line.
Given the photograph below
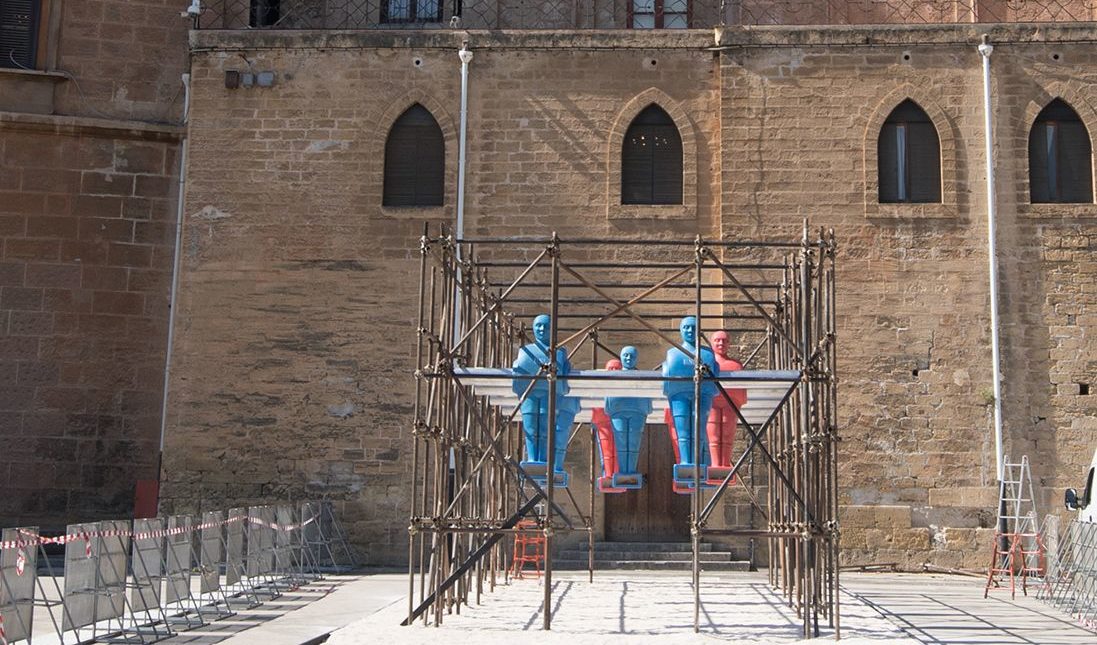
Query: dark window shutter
1038, 181
667, 165
887, 162
18, 33
651, 160
1060, 165
636, 167
1075, 161
415, 160
922, 161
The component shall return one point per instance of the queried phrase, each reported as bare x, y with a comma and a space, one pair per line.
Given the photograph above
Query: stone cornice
79, 125
699, 39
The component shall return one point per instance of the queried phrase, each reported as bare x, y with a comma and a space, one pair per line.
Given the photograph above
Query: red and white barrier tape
3, 637
34, 540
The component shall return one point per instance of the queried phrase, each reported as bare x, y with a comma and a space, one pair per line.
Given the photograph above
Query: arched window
651, 160
908, 155
415, 160
1059, 158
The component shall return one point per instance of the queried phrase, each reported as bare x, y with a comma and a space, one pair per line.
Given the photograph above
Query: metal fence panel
234, 545
113, 563
211, 551
310, 530
260, 541
81, 576
177, 560
148, 564
285, 538
18, 568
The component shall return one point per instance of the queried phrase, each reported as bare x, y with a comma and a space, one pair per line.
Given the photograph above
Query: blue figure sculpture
535, 422
629, 416
566, 411
680, 396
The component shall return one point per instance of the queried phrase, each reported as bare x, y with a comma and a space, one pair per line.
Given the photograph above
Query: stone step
680, 547
653, 556
650, 565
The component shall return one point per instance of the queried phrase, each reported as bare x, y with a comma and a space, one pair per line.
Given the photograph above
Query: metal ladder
1019, 550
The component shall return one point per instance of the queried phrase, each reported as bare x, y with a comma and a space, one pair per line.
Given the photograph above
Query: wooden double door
655, 513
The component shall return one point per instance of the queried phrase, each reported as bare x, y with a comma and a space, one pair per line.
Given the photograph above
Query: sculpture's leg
731, 423
544, 426
620, 440
606, 444
635, 434
706, 407
682, 410
668, 418
563, 430
719, 437
530, 428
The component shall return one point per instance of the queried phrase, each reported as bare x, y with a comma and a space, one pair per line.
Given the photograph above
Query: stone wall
88, 174
87, 223
293, 372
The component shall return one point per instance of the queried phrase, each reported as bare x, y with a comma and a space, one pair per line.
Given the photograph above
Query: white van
1086, 504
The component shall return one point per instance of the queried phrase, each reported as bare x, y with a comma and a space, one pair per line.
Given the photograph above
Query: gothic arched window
651, 160
909, 157
415, 160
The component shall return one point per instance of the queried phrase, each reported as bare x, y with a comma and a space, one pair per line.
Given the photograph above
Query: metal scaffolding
469, 489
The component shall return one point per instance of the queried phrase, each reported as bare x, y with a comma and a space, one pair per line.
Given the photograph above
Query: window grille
659, 14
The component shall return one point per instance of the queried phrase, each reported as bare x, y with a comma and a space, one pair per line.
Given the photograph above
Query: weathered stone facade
293, 372
88, 178
292, 363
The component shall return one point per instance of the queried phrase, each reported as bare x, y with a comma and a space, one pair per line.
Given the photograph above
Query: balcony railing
624, 14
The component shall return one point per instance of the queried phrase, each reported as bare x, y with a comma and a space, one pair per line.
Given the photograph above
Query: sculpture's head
629, 356
613, 364
542, 329
720, 343
688, 328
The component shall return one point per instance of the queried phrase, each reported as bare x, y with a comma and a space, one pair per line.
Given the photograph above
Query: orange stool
528, 548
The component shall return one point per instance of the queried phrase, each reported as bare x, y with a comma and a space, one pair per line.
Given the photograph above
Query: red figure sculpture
607, 442
722, 420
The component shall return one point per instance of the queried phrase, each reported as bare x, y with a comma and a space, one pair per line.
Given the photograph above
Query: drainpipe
175, 263
985, 50
466, 57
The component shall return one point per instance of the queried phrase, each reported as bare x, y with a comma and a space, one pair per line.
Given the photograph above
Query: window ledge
910, 211
649, 211
27, 90
55, 77
1057, 210
417, 212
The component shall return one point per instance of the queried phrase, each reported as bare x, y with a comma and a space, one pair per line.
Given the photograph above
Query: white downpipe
466, 57
985, 50
175, 262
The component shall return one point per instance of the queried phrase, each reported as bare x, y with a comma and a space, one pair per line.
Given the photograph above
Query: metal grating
623, 14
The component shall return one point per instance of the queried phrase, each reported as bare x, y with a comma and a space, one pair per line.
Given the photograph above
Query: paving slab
317, 609
951, 609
